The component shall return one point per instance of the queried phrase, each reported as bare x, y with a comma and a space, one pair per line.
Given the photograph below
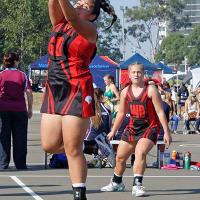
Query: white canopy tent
195, 78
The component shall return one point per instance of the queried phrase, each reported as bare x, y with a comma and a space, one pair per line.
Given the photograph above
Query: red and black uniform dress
144, 122
69, 89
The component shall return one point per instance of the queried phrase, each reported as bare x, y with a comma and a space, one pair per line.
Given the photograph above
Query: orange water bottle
174, 155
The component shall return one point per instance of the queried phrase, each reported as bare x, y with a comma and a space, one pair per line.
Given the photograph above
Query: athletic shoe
106, 149
138, 191
175, 132
197, 132
186, 132
113, 187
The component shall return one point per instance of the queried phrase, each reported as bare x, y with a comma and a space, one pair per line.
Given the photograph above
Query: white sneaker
138, 191
113, 187
186, 132
197, 132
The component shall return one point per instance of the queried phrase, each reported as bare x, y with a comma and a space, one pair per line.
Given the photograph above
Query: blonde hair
97, 119
135, 63
190, 98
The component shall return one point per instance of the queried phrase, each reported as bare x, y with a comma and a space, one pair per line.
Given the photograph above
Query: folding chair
192, 125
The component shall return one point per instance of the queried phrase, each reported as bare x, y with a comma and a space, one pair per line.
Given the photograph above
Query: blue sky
118, 3
129, 3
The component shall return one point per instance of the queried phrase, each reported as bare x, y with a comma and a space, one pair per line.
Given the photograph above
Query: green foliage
172, 49
109, 40
146, 18
193, 46
175, 47
25, 28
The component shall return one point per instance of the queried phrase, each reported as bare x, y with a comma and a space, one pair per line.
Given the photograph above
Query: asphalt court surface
54, 184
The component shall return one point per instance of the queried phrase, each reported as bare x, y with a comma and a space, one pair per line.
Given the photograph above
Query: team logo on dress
88, 99
77, 194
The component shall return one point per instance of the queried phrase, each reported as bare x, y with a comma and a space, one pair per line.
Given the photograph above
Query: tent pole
120, 74
117, 78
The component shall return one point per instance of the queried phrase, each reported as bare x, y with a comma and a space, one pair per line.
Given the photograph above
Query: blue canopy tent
165, 68
40, 64
148, 66
98, 67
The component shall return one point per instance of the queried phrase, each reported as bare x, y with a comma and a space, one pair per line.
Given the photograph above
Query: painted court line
190, 145
90, 176
27, 189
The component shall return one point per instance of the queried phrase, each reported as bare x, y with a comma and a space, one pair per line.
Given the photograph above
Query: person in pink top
14, 113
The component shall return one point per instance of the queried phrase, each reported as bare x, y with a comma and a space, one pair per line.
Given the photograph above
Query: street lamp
185, 63
123, 33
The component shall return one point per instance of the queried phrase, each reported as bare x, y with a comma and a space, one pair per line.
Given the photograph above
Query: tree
172, 49
109, 40
145, 20
25, 26
193, 46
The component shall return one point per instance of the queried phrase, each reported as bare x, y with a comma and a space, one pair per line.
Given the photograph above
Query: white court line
27, 189
190, 145
62, 176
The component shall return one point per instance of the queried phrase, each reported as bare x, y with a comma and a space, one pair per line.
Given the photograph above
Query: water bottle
177, 159
161, 160
181, 161
187, 160
166, 157
174, 155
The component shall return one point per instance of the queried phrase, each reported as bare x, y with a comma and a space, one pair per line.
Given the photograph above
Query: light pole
185, 60
123, 33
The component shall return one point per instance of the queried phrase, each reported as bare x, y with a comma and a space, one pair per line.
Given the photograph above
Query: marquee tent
99, 67
40, 64
165, 68
194, 77
148, 66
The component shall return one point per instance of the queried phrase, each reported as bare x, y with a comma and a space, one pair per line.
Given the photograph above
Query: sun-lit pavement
42, 184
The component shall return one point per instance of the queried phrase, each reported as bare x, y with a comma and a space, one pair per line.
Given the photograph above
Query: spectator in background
99, 123
13, 112
192, 111
111, 93
182, 97
174, 117
166, 87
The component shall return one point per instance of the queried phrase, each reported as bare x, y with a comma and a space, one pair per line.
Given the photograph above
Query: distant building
192, 10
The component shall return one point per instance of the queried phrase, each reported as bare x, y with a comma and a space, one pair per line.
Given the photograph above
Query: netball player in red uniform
68, 101
143, 102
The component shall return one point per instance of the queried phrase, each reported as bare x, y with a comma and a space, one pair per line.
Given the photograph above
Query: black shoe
22, 168
79, 193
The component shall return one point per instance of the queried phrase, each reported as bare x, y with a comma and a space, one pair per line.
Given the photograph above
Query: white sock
117, 175
78, 185
137, 175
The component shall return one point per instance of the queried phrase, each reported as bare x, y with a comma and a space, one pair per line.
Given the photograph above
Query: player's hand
110, 135
167, 139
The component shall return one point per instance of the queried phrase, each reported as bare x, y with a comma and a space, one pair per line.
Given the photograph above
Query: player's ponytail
106, 7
